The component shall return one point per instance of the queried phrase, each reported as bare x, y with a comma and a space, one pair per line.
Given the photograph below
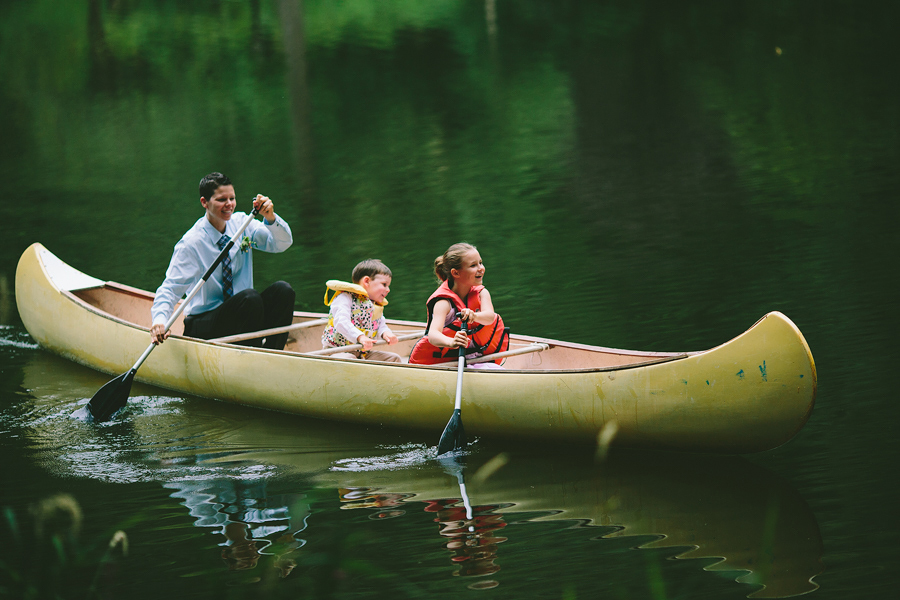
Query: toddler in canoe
356, 312
461, 297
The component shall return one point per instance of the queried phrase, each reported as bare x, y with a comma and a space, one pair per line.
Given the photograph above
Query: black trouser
247, 311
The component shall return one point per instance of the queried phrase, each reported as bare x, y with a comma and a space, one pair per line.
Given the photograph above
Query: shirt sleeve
184, 269
383, 329
341, 311
275, 237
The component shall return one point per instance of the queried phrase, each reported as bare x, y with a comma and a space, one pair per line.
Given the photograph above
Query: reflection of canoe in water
729, 514
752, 393
733, 515
721, 508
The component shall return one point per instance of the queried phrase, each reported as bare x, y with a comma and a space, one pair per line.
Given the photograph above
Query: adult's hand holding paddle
159, 333
454, 436
264, 207
114, 395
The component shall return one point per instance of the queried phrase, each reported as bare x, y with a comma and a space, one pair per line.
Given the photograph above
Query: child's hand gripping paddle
114, 395
454, 436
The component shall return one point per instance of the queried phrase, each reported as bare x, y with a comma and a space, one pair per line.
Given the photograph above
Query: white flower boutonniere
247, 244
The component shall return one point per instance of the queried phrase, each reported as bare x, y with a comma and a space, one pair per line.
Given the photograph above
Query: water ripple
406, 456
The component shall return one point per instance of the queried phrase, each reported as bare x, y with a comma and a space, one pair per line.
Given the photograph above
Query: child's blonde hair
451, 259
369, 268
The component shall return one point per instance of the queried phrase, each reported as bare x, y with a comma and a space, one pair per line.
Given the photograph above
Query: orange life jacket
483, 339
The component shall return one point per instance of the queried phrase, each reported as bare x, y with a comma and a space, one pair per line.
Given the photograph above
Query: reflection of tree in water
253, 523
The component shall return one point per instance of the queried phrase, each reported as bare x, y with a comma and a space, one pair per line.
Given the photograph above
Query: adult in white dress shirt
227, 304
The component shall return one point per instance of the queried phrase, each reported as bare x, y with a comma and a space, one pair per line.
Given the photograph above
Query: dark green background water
649, 175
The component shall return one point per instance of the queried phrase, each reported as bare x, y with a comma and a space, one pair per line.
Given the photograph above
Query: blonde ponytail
451, 259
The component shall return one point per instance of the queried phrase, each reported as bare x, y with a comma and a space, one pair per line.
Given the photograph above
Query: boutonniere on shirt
247, 243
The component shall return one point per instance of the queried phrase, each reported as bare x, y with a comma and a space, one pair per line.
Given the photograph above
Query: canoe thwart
400, 338
240, 337
524, 350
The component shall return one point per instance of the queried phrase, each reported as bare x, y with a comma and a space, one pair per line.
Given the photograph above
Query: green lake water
646, 175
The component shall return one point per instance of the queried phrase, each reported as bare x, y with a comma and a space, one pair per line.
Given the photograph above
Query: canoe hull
750, 394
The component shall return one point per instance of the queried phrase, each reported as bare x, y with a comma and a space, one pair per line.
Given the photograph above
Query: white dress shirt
198, 248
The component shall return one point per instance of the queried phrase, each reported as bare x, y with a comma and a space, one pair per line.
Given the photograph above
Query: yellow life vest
365, 313
338, 286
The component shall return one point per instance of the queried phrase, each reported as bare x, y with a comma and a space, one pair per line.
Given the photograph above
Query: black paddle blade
454, 436
111, 397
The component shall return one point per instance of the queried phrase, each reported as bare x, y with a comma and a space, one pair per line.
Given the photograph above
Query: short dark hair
212, 182
369, 268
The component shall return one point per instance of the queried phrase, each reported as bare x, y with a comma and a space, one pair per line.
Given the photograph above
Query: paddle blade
454, 436
111, 397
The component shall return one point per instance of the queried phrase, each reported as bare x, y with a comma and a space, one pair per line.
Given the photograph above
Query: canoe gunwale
143, 294
654, 358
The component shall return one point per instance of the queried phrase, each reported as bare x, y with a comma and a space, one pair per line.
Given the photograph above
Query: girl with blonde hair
461, 298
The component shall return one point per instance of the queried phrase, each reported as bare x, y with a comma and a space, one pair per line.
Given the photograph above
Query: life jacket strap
328, 300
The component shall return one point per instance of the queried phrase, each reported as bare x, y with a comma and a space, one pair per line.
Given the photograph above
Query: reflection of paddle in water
454, 465
472, 538
470, 531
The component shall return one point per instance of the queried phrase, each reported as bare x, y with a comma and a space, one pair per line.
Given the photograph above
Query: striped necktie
227, 278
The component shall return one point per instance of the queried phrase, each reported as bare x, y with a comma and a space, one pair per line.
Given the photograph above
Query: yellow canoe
730, 514
749, 394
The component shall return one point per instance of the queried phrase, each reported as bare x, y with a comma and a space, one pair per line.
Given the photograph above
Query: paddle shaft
454, 436
196, 289
459, 371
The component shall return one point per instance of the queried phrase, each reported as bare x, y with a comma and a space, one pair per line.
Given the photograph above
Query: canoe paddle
114, 395
454, 436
